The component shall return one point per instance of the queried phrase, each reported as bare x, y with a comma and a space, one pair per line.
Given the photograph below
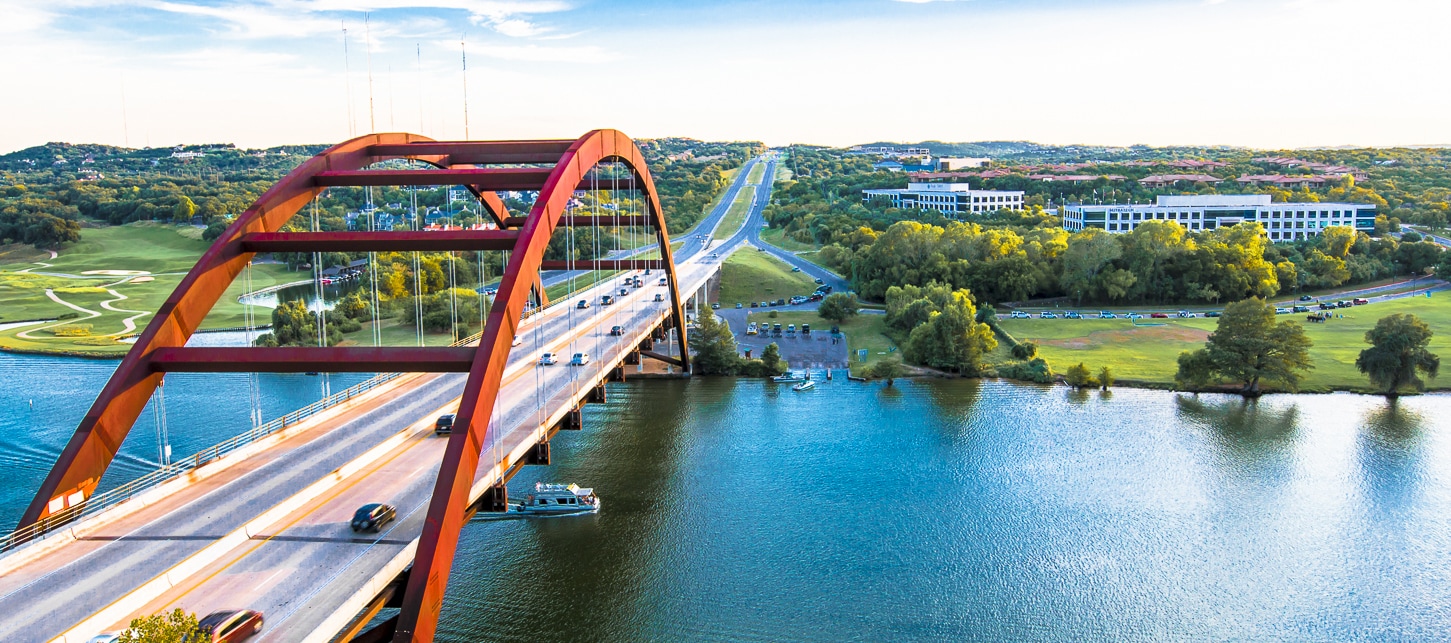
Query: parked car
444, 424
1104, 314
780, 302
1213, 313
806, 329
1158, 315
1344, 303
754, 304
1047, 315
583, 303
1326, 306
795, 268
1361, 302
372, 517
776, 328
1018, 314
751, 329
820, 280
1301, 309
616, 331
579, 359
1134, 316
1282, 311
1073, 314
791, 329
815, 297
1183, 313
230, 625
738, 305
1306, 298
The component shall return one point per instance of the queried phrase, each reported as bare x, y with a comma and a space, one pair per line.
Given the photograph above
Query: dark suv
444, 425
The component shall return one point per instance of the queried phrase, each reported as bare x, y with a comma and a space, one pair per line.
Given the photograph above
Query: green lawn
1148, 354
862, 331
752, 275
736, 216
777, 237
166, 252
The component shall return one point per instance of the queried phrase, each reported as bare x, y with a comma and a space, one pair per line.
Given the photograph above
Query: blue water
42, 399
932, 511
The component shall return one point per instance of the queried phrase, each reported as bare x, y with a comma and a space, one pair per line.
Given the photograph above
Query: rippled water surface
936, 510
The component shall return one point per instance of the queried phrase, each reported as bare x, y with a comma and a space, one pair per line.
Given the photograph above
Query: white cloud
536, 53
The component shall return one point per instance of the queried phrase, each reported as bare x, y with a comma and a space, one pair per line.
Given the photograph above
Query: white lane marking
262, 584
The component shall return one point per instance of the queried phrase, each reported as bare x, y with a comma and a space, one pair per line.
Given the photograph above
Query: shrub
1036, 370
72, 330
1025, 351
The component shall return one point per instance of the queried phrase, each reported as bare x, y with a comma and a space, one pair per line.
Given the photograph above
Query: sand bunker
116, 273
142, 280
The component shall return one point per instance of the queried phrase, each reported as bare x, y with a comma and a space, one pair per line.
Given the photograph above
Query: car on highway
714, 255
1104, 314
1282, 311
104, 638
444, 424
659, 297
715, 305
579, 359
548, 359
1073, 314
624, 292
1018, 314
1047, 314
739, 306
1306, 298
1134, 316
1158, 315
583, 303
518, 339
1301, 309
372, 517
820, 280
1344, 303
230, 626
1213, 313
606, 300
795, 268
616, 331
1360, 302
662, 281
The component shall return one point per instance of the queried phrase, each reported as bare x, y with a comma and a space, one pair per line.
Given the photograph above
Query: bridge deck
269, 531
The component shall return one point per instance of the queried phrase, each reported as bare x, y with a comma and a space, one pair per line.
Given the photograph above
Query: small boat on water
804, 386
551, 499
788, 378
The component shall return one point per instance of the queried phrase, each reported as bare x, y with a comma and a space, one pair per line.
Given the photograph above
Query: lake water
935, 510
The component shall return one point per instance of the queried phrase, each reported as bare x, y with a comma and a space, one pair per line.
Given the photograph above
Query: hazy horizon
1291, 74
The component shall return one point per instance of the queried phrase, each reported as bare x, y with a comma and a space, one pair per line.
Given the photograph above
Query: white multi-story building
949, 198
950, 165
1281, 221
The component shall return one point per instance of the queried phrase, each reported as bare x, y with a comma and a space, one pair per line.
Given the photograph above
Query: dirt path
128, 324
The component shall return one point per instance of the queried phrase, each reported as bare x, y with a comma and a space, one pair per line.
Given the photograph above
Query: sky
1257, 73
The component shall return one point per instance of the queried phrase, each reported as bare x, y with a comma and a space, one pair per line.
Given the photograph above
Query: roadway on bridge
303, 563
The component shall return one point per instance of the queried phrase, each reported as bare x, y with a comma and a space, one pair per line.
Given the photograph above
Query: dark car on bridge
230, 625
583, 303
616, 331
372, 517
444, 424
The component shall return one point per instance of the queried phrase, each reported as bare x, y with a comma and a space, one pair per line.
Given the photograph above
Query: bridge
262, 522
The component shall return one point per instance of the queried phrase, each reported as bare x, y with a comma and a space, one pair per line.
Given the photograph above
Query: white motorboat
551, 499
788, 378
804, 386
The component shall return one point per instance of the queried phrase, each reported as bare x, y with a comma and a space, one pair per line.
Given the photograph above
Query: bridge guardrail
125, 491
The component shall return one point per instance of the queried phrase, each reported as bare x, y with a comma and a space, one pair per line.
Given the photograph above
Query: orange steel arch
448, 509
161, 347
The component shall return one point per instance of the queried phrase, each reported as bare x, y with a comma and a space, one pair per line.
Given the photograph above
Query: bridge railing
130, 489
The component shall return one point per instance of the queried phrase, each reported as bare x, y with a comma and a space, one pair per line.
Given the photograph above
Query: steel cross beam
489, 179
425, 241
448, 509
333, 359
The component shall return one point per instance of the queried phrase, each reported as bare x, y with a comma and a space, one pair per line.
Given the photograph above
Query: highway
270, 532
751, 234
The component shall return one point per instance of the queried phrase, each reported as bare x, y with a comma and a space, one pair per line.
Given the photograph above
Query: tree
1025, 350
184, 209
838, 307
771, 359
1398, 354
175, 626
715, 347
1248, 346
1079, 376
887, 369
951, 339
1105, 377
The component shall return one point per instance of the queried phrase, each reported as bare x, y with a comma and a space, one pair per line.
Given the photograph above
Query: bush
1079, 376
70, 315
1036, 370
772, 314
1105, 377
72, 330
1411, 237
1025, 351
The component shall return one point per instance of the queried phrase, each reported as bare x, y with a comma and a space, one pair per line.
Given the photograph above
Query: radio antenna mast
463, 52
348, 80
368, 47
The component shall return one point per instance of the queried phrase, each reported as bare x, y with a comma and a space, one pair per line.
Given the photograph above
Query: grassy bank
756, 173
862, 331
777, 237
736, 215
152, 259
752, 275
1148, 354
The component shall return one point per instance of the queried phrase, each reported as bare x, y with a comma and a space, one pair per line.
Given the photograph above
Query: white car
580, 359
1018, 314
548, 359
518, 340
